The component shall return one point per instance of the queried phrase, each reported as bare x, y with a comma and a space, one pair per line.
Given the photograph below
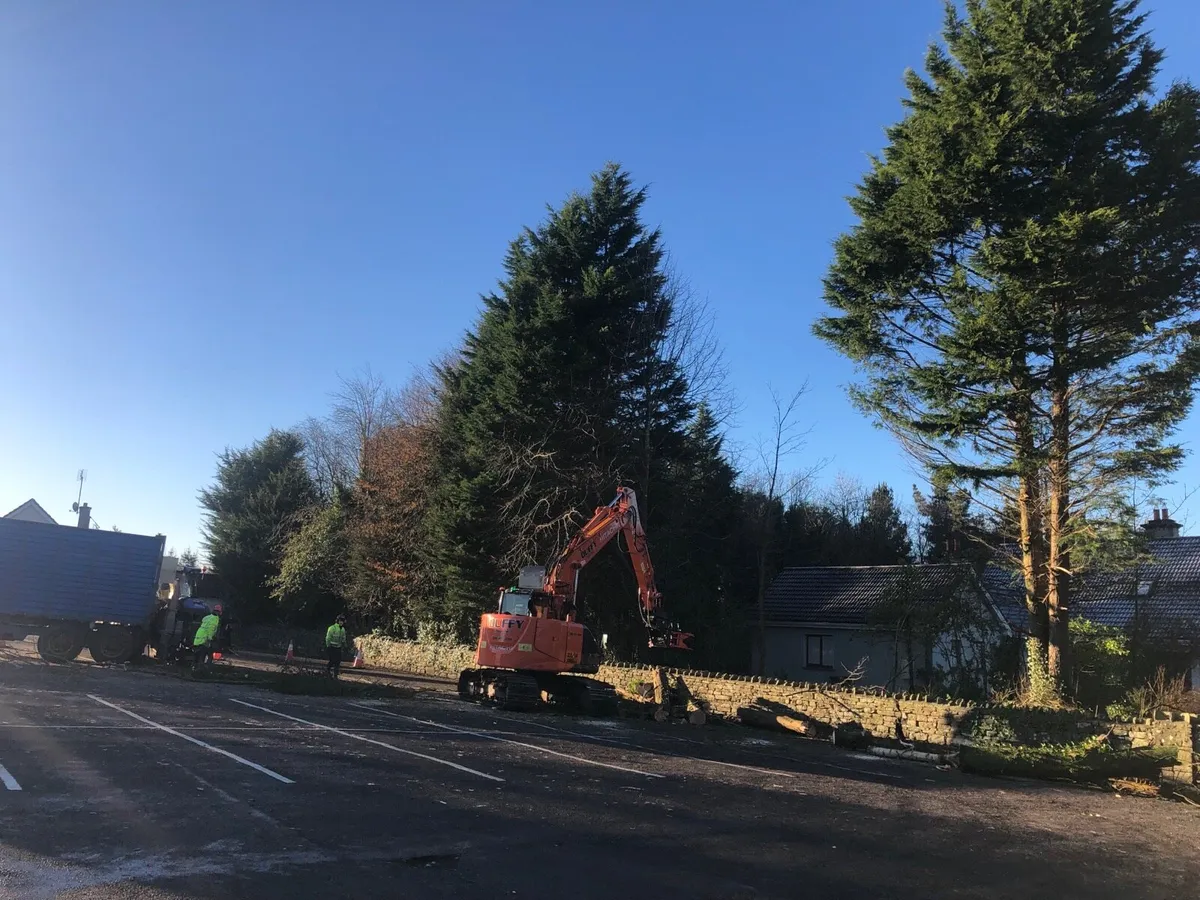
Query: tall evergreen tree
694, 549
948, 529
561, 393
881, 536
1021, 285
251, 510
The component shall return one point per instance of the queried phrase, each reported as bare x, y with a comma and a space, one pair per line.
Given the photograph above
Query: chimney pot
1166, 513
1156, 512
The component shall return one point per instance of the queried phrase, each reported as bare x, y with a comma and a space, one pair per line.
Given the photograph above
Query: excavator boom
620, 516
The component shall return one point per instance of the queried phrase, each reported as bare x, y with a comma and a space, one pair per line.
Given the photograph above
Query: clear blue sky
209, 210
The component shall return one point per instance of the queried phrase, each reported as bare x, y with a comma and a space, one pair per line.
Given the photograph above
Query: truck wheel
111, 645
60, 644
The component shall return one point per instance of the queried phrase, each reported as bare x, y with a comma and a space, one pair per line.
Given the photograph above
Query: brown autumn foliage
387, 524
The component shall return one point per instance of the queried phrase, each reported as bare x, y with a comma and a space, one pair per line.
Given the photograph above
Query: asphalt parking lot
124, 784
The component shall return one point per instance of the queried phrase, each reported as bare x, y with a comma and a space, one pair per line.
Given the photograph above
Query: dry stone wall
885, 716
429, 660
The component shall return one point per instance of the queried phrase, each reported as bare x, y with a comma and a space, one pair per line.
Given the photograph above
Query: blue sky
209, 210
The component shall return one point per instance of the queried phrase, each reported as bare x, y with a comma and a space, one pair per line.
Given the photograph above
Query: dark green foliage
250, 511
314, 564
1100, 660
694, 549
829, 534
949, 531
561, 394
1092, 761
880, 535
1021, 286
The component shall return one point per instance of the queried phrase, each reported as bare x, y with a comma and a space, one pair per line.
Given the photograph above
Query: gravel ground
135, 785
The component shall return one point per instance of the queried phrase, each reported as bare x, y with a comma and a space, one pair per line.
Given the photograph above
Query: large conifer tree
560, 395
1021, 285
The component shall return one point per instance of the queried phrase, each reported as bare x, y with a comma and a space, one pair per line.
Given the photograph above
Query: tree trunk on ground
761, 718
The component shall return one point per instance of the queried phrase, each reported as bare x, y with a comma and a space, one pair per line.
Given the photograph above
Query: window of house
820, 651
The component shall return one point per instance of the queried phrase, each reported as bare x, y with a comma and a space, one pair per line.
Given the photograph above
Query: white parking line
229, 798
9, 781
667, 753
199, 743
492, 737
367, 740
643, 748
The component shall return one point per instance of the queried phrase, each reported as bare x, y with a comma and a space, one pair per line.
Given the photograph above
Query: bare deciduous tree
693, 344
362, 406
771, 487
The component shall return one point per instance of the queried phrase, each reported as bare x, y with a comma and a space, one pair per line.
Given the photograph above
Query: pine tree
1021, 285
256, 504
560, 395
694, 550
881, 536
949, 530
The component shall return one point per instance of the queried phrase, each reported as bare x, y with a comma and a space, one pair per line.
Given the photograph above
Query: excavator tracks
596, 698
497, 687
523, 692
585, 696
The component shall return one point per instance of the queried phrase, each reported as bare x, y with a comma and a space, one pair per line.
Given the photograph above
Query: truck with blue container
77, 588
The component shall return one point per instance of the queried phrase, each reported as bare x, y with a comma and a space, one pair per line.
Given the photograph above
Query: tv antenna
81, 478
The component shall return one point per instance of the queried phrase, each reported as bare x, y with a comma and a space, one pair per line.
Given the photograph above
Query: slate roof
1165, 590
846, 595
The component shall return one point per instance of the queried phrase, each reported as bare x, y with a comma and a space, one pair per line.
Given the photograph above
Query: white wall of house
818, 653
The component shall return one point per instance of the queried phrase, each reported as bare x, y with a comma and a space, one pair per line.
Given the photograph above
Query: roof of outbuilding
846, 595
1164, 590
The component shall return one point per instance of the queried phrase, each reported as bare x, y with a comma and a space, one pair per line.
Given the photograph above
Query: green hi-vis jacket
207, 630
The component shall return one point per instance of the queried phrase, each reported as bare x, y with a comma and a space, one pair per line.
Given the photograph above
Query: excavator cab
515, 602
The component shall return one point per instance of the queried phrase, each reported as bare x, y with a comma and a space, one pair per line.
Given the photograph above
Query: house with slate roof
822, 621
1160, 595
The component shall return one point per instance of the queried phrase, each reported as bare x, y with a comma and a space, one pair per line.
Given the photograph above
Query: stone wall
1165, 731
924, 720
881, 715
430, 660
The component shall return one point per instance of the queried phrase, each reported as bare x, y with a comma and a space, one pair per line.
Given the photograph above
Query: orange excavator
532, 650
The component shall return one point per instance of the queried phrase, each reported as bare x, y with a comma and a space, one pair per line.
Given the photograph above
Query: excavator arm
621, 515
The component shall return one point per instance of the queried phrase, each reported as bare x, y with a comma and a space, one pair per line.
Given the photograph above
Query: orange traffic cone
358, 660
291, 653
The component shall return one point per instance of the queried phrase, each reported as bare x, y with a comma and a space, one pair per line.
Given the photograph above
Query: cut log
683, 696
761, 718
662, 690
